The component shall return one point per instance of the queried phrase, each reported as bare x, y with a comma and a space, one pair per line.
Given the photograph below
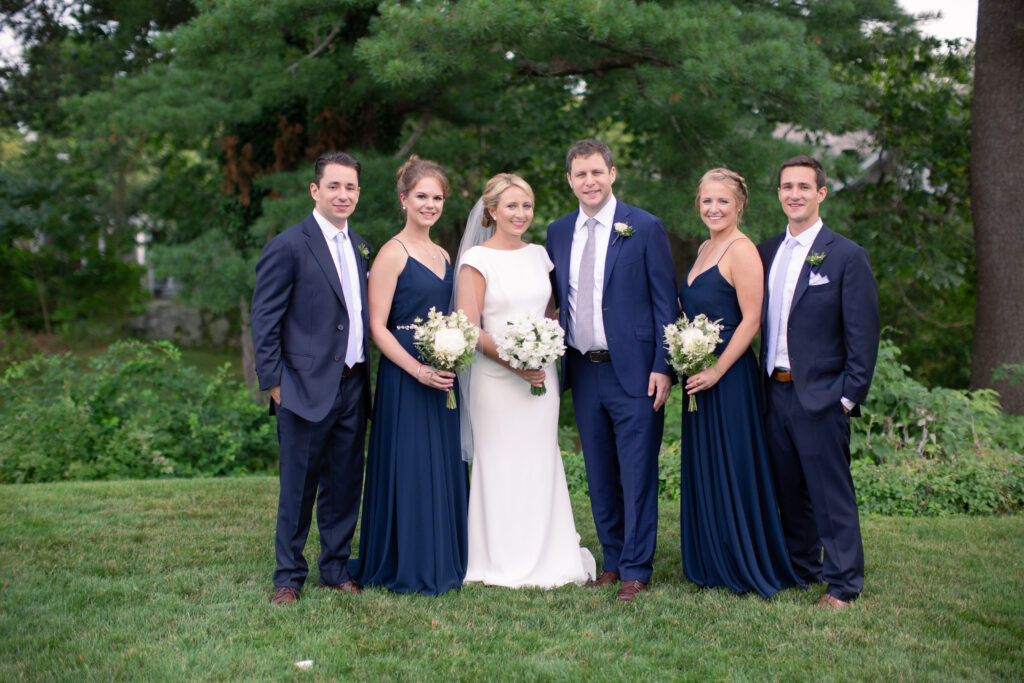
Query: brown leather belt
597, 356
782, 376
349, 370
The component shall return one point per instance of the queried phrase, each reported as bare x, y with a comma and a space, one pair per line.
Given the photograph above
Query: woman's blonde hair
495, 187
731, 179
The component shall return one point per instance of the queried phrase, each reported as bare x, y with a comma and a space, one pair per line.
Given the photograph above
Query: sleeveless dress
413, 532
521, 527
729, 518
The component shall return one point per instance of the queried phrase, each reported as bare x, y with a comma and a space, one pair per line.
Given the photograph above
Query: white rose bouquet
531, 343
691, 346
446, 342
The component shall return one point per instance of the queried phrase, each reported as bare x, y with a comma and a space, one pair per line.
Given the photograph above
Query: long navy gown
731, 533
413, 533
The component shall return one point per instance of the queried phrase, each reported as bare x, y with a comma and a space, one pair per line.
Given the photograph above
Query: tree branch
416, 135
920, 314
318, 49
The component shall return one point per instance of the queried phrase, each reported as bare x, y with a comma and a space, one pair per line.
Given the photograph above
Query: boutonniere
364, 251
815, 258
623, 230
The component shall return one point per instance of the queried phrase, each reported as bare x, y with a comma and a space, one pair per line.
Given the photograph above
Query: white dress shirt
796, 263
348, 269
602, 232
804, 242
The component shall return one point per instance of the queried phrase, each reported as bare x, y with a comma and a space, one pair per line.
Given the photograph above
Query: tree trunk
997, 199
248, 356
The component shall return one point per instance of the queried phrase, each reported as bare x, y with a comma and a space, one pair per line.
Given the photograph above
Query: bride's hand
534, 377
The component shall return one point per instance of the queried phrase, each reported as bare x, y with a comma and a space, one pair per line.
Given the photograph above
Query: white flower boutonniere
364, 251
623, 230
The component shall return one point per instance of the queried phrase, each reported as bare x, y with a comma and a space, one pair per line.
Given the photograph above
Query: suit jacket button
337, 358
341, 327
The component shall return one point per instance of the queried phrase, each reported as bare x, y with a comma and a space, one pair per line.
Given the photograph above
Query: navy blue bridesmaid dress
729, 518
413, 535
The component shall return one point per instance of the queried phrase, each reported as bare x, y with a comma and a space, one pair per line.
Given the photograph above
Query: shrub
136, 411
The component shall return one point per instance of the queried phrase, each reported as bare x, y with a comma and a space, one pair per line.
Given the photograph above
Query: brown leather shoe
629, 590
829, 600
349, 586
605, 579
284, 595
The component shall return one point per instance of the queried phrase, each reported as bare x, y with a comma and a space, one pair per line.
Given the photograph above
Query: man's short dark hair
586, 148
340, 158
809, 162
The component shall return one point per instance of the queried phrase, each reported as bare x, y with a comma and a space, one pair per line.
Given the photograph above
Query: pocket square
817, 279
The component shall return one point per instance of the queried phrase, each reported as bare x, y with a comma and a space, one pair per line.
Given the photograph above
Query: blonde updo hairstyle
493, 191
731, 179
415, 170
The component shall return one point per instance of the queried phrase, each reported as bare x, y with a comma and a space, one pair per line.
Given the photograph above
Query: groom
309, 329
615, 288
820, 329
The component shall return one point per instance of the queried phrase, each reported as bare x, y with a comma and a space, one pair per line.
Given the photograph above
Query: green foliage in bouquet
136, 411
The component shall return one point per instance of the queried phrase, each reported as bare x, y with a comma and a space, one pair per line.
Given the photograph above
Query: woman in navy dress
731, 533
413, 532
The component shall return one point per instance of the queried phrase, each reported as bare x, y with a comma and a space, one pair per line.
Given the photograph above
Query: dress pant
322, 462
621, 438
810, 455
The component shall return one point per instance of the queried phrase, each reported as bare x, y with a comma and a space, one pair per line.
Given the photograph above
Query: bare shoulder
742, 259
390, 259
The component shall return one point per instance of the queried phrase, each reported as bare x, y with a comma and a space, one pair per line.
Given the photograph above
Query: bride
521, 528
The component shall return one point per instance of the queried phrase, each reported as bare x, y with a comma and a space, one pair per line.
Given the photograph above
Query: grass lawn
158, 580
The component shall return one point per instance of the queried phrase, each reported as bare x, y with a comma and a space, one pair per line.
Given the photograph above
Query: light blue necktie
583, 333
775, 297
353, 349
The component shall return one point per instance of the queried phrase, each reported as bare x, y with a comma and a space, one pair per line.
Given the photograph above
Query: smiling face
337, 193
800, 197
719, 206
424, 202
591, 180
514, 212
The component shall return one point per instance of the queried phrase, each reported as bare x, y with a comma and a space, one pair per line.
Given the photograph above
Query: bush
136, 411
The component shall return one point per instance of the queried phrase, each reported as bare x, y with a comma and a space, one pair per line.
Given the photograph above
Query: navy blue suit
300, 336
832, 336
619, 429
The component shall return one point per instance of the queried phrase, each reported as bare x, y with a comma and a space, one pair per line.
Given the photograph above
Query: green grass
170, 580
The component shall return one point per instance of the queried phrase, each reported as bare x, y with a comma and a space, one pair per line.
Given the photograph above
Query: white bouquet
531, 343
691, 346
446, 342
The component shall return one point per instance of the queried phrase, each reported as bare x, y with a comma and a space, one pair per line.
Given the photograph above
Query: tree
904, 197
997, 203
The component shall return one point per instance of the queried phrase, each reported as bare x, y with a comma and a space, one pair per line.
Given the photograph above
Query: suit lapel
322, 253
564, 252
821, 243
622, 212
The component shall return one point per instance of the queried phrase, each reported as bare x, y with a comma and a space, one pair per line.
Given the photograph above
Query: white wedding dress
521, 527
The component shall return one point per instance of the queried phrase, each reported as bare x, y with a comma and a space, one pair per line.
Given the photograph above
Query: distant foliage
136, 411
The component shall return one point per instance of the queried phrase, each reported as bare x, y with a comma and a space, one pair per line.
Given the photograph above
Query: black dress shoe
605, 579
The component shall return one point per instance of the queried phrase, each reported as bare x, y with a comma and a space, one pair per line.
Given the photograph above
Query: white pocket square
817, 279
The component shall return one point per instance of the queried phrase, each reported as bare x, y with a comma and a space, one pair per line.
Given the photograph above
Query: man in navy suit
615, 287
309, 328
820, 328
